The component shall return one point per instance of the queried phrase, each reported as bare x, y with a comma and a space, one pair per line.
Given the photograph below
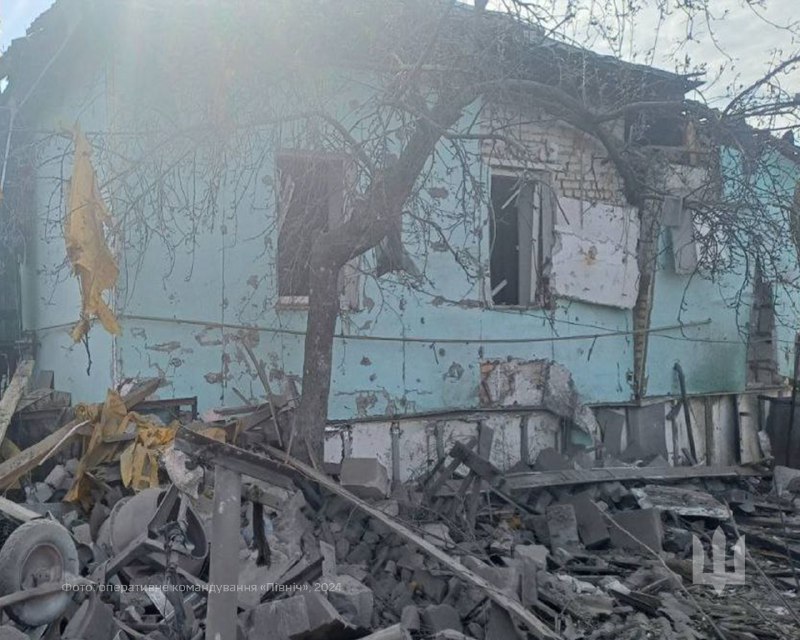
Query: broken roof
50, 37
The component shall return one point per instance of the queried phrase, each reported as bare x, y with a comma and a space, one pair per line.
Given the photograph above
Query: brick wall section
576, 163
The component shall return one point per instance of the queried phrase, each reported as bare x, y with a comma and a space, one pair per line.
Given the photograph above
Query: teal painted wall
192, 291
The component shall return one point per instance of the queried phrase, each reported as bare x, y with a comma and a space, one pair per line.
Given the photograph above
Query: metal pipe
687, 414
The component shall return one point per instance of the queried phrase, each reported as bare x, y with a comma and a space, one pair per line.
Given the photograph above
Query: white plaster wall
417, 448
594, 257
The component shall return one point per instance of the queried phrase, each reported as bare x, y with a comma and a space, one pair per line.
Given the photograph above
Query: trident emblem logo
718, 577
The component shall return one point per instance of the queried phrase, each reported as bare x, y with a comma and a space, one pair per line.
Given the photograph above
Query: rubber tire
13, 555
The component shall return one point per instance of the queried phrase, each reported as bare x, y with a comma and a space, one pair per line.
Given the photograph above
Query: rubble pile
137, 520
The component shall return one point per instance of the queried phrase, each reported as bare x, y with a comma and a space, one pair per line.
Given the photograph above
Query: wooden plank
537, 628
532, 480
224, 566
13, 394
487, 471
17, 511
13, 469
245, 462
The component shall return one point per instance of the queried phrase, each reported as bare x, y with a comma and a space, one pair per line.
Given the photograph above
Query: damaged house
530, 287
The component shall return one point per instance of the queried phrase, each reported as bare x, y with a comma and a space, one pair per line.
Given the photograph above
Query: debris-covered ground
133, 519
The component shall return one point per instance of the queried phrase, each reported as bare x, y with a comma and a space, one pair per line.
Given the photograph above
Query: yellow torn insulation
139, 462
135, 440
91, 259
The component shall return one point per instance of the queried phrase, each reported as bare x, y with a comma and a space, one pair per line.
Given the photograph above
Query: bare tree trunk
323, 310
382, 207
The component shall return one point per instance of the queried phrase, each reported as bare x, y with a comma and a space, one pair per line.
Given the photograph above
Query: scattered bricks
551, 460
59, 478
562, 527
644, 524
537, 553
438, 617
352, 600
365, 477
410, 619
592, 527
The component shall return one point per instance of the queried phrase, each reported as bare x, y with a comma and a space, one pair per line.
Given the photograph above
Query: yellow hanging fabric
87, 249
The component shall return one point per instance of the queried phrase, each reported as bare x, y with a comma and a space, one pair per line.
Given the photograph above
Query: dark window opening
504, 238
520, 236
310, 201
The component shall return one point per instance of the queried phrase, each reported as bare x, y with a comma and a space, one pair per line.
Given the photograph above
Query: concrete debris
633, 529
352, 599
438, 617
562, 526
365, 477
568, 547
682, 501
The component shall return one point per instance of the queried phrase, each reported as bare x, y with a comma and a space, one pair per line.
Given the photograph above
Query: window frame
534, 262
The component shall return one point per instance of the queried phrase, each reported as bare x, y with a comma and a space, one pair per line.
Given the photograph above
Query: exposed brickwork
576, 163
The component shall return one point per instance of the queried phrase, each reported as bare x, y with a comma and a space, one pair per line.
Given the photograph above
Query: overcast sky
745, 39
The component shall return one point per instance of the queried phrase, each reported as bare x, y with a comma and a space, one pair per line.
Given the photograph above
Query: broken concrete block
328, 552
562, 526
319, 610
537, 553
434, 587
41, 492
538, 524
353, 600
83, 534
410, 619
500, 625
438, 617
634, 526
682, 501
365, 477
613, 492
438, 534
592, 527
284, 618
781, 477
58, 478
551, 460
360, 554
